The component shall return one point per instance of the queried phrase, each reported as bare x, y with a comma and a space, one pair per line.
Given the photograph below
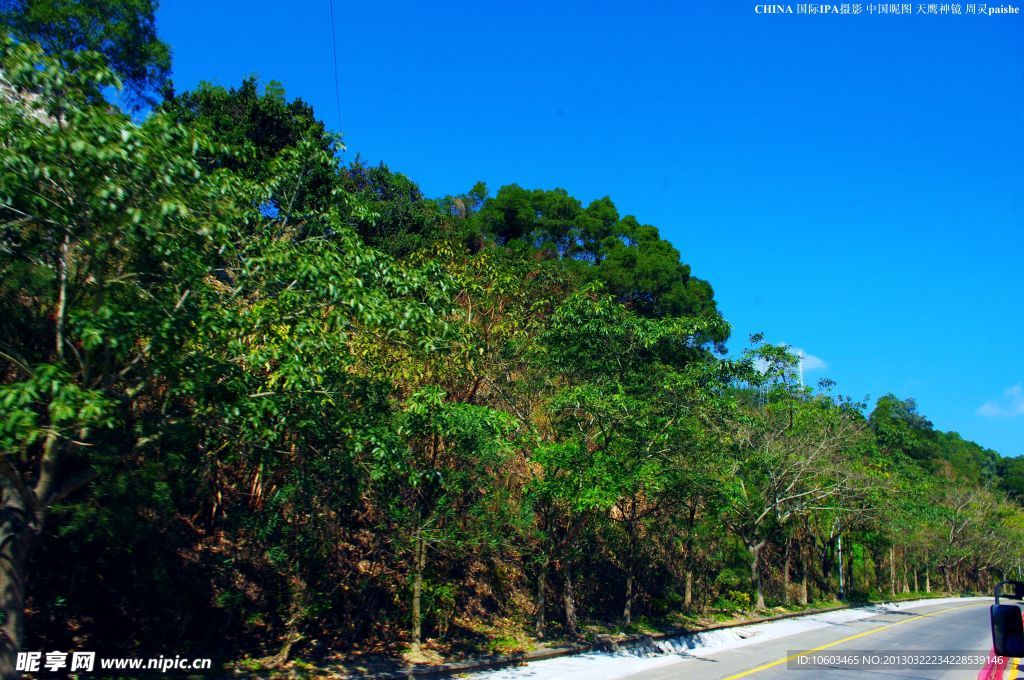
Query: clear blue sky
851, 185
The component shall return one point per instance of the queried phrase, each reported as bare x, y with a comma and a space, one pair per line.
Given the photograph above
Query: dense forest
258, 402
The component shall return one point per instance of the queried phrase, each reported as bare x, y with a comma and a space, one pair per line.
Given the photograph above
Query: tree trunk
62, 294
688, 559
419, 564
927, 580
542, 585
16, 538
627, 611
892, 570
785, 574
23, 513
569, 602
755, 573
805, 571
906, 579
827, 558
291, 636
917, 584
850, 585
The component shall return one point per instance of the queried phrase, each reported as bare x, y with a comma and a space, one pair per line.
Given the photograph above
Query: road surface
950, 627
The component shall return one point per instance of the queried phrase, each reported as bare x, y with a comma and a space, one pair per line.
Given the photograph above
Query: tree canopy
294, 408
123, 31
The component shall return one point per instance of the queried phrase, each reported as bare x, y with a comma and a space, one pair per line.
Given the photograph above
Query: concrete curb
605, 643
602, 643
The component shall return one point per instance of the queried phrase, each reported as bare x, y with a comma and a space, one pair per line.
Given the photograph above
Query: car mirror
1007, 630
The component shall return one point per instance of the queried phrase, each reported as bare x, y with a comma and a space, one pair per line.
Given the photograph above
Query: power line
334, 47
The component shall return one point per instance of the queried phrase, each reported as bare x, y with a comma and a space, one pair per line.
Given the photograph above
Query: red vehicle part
999, 668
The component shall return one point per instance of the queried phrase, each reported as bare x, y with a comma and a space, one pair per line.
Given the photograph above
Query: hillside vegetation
258, 402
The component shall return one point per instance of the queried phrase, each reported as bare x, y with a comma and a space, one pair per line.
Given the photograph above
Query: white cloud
1010, 405
812, 362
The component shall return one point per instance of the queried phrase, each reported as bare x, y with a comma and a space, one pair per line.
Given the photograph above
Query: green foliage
733, 600
399, 220
1011, 477
286, 405
266, 138
899, 427
123, 31
638, 268
69, 408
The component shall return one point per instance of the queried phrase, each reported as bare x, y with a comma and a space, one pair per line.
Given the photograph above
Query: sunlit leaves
48, 401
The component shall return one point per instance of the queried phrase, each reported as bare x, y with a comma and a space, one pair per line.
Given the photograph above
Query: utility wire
334, 47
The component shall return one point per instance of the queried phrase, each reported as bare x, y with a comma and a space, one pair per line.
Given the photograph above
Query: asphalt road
956, 627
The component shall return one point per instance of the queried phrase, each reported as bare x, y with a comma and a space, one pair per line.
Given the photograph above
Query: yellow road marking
779, 662
1014, 670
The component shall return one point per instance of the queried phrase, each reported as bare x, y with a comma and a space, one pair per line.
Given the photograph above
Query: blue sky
851, 185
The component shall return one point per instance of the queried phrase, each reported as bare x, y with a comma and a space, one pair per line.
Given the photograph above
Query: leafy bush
733, 600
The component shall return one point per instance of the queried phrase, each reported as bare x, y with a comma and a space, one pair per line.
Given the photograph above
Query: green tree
637, 267
899, 426
264, 137
789, 457
278, 380
400, 220
448, 499
645, 274
1011, 477
123, 31
617, 419
108, 229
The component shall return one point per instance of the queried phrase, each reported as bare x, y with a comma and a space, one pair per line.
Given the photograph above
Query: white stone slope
604, 665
